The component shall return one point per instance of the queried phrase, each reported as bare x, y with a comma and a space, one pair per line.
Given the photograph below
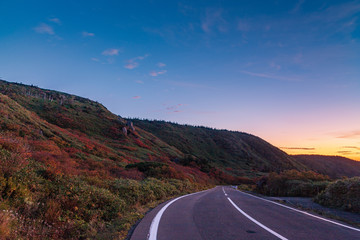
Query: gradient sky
287, 71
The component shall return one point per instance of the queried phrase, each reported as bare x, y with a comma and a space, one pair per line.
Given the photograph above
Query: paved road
225, 213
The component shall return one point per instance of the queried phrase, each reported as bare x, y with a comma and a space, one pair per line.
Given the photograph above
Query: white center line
224, 191
303, 212
258, 223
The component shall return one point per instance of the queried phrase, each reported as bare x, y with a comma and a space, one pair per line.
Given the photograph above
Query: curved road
225, 213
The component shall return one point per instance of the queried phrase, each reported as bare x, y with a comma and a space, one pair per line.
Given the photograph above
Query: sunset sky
286, 71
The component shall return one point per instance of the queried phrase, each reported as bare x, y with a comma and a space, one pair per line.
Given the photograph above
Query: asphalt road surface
225, 213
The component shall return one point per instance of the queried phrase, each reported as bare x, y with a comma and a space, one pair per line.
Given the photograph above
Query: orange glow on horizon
351, 156
342, 147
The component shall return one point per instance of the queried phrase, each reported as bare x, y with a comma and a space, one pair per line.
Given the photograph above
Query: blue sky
287, 71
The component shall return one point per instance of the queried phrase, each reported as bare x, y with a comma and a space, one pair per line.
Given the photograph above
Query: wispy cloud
298, 58
139, 82
351, 147
174, 108
345, 152
95, 59
156, 73
213, 20
298, 6
136, 97
160, 64
350, 134
336, 18
339, 12
44, 28
87, 34
134, 62
274, 65
111, 52
270, 76
55, 20
243, 26
299, 148
131, 65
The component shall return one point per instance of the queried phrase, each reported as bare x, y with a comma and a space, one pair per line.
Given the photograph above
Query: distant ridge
238, 152
333, 166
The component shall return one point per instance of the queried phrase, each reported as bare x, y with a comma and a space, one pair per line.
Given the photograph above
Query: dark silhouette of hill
238, 152
333, 166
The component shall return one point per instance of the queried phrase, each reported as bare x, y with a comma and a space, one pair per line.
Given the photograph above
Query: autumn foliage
292, 183
343, 194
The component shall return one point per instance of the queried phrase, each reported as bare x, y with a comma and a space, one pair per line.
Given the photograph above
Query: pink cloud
175, 108
136, 97
111, 52
213, 20
350, 134
43, 28
161, 64
88, 34
275, 65
298, 148
133, 63
243, 26
55, 20
154, 73
270, 76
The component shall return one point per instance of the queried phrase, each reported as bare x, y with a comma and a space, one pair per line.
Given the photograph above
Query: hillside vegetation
343, 194
333, 166
235, 152
58, 182
71, 169
292, 183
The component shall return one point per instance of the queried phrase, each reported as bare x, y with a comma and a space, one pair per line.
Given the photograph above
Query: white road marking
258, 223
306, 213
152, 235
224, 191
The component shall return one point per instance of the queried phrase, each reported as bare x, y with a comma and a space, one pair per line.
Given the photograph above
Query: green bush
344, 194
292, 183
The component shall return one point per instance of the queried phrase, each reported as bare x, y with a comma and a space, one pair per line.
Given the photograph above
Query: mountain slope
333, 166
84, 132
62, 180
239, 153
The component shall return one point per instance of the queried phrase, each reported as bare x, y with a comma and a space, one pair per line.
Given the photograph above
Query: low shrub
292, 183
343, 194
37, 203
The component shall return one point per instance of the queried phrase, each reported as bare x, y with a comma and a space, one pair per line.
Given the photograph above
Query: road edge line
152, 235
